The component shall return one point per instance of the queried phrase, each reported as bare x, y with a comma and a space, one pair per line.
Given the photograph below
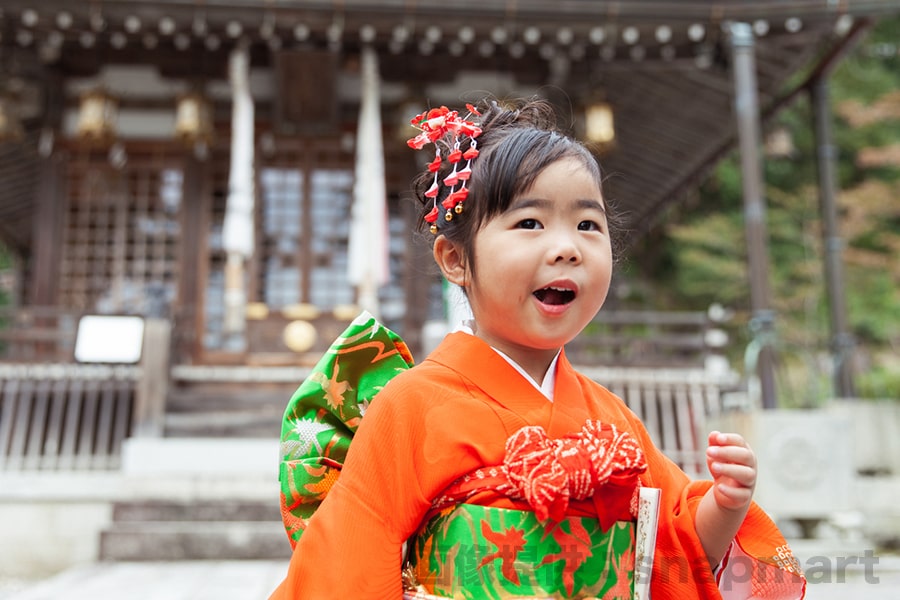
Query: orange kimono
453, 414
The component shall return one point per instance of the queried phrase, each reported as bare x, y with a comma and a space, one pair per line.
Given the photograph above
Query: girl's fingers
742, 475
731, 454
717, 438
732, 464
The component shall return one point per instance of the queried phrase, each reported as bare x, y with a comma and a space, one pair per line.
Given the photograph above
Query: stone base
214, 456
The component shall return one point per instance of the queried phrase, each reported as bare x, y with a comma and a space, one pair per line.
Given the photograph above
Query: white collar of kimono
546, 387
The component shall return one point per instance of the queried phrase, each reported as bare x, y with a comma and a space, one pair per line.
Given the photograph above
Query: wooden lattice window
331, 198
120, 246
281, 193
214, 293
304, 212
306, 200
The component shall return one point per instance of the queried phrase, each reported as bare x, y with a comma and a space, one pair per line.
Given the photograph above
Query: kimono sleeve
352, 545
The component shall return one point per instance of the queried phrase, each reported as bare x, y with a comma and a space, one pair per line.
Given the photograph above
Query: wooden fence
650, 339
65, 417
74, 417
674, 405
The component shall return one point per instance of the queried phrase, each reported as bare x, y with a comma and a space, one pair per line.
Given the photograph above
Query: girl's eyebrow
544, 203
590, 204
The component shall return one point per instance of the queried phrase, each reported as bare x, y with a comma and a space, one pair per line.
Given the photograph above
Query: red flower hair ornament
435, 125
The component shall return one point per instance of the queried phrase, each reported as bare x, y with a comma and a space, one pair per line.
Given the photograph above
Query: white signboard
109, 339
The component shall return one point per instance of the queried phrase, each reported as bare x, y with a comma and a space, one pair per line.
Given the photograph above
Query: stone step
224, 424
204, 511
215, 540
205, 529
195, 456
234, 397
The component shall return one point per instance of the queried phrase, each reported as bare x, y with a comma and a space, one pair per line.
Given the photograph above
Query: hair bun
532, 112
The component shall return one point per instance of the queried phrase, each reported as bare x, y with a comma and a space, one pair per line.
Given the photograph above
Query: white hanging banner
368, 251
237, 230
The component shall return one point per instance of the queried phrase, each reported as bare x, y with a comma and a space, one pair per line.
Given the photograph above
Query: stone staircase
165, 530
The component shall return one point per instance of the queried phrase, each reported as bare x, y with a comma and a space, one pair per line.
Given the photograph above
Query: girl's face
543, 267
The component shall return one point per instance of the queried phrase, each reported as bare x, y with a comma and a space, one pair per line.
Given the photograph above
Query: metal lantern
10, 125
97, 116
194, 119
599, 123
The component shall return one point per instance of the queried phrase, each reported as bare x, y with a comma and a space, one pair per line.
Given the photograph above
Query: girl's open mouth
554, 295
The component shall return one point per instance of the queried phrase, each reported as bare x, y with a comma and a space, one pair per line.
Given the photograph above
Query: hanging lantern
599, 124
194, 119
97, 116
10, 126
779, 143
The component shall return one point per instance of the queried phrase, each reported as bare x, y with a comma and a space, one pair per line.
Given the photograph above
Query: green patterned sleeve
325, 411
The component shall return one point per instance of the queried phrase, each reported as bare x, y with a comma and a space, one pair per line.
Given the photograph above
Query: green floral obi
476, 552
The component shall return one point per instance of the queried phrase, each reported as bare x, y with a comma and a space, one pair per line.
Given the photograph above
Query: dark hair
517, 142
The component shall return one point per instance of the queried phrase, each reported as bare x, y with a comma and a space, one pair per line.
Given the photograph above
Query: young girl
493, 469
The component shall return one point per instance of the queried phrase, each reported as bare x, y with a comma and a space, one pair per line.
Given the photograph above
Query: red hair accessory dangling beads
435, 124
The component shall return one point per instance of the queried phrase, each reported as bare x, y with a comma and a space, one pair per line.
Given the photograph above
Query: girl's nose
565, 250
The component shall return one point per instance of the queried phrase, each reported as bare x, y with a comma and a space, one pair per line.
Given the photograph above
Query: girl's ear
451, 260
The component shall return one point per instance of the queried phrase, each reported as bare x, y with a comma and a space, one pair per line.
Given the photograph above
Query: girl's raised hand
732, 464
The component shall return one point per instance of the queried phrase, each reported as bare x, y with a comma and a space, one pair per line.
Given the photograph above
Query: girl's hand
732, 464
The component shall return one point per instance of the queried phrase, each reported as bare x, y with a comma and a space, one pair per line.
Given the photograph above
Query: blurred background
196, 198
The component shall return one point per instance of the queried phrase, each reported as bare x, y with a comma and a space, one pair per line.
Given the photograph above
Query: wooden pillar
842, 342
153, 385
17, 294
746, 106
50, 200
195, 208
47, 235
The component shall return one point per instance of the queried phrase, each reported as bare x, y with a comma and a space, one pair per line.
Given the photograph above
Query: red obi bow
549, 473
599, 463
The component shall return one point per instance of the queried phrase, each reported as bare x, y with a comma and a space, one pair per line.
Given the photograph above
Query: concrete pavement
188, 580
832, 577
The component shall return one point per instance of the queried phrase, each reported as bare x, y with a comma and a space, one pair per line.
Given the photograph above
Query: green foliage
879, 382
871, 72
875, 314
710, 264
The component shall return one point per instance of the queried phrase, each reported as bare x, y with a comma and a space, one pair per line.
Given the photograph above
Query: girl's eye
528, 224
589, 226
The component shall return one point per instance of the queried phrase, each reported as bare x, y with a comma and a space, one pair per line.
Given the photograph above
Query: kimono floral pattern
325, 412
475, 552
